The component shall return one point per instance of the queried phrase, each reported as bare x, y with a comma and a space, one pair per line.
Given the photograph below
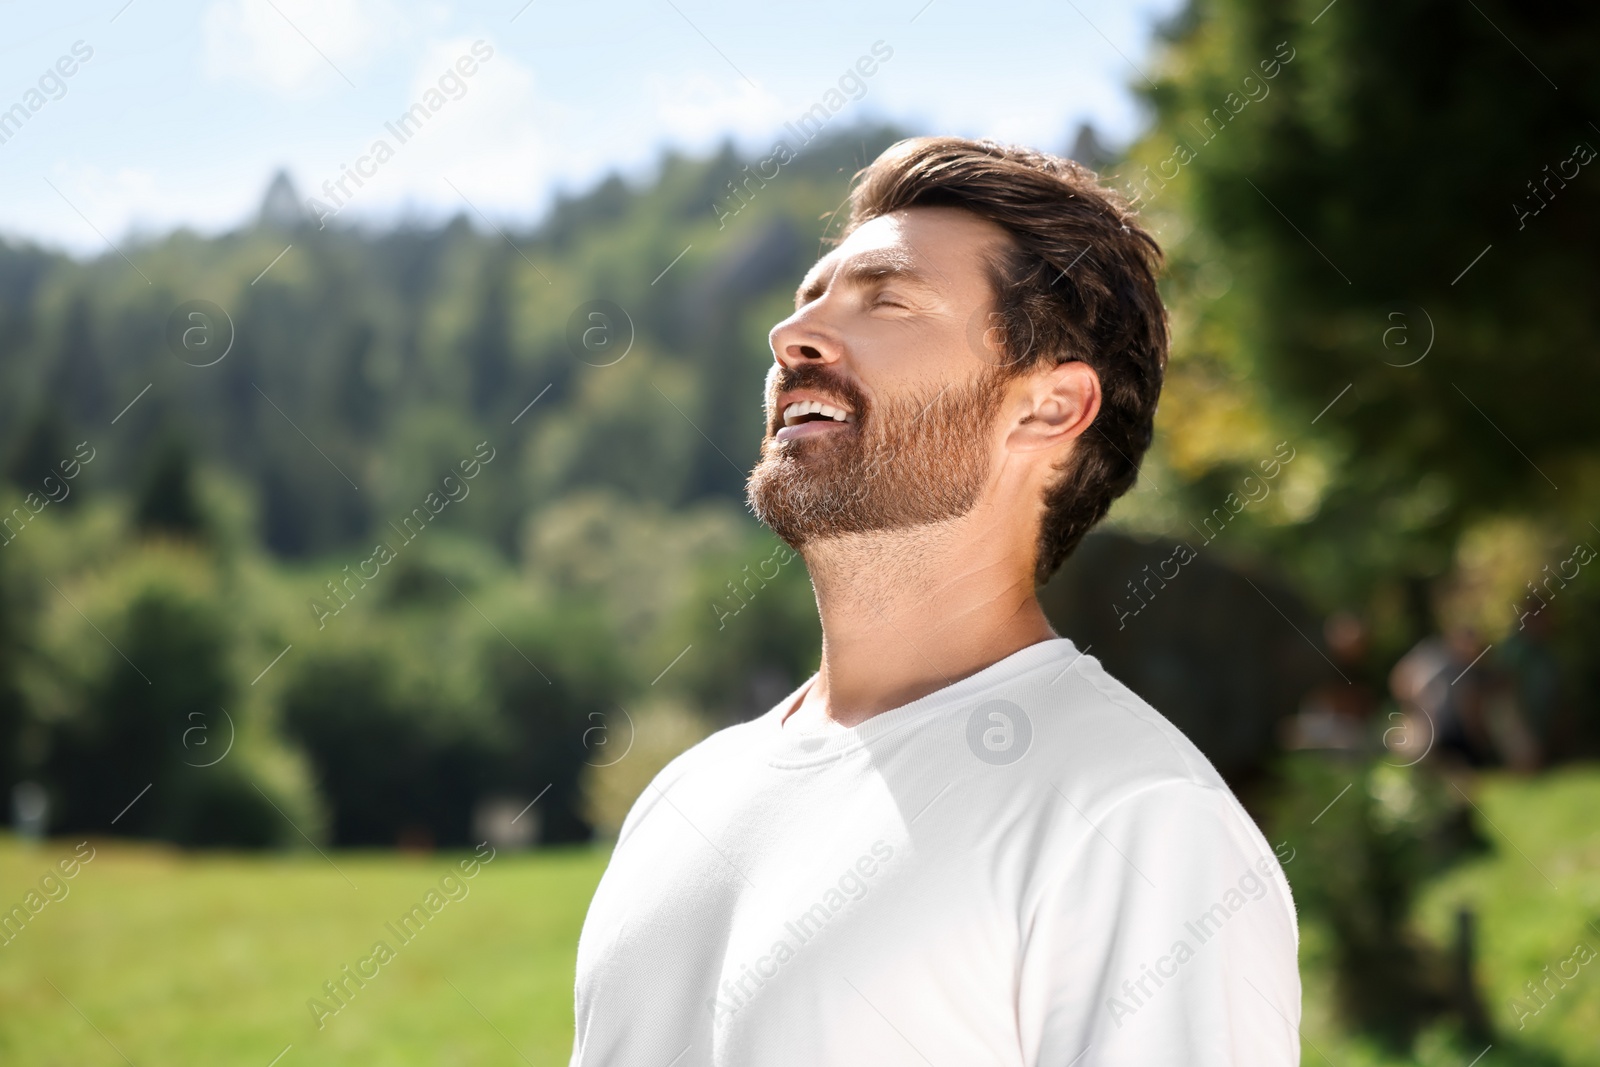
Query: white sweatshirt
1028, 867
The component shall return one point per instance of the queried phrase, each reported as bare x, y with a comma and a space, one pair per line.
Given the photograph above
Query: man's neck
907, 613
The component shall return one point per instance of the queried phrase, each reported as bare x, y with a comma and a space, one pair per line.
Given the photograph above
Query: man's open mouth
804, 418
813, 411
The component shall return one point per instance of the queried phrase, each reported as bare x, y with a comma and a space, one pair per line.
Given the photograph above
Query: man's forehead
933, 243
883, 240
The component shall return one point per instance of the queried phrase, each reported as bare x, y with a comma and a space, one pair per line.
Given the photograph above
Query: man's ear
1058, 404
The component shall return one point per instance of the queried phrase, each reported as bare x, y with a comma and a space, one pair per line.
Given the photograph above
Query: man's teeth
801, 408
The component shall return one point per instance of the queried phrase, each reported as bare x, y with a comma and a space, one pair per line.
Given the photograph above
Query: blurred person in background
1338, 714
1443, 697
960, 838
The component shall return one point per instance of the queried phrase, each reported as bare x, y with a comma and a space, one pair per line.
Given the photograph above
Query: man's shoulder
1136, 778
701, 762
1097, 741
721, 745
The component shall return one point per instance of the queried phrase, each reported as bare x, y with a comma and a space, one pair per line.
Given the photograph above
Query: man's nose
802, 339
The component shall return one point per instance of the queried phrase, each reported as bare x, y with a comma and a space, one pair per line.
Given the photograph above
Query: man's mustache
814, 377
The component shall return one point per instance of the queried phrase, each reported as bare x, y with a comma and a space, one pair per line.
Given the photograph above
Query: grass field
158, 957
1536, 894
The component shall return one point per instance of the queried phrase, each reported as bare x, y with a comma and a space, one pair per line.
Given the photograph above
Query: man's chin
794, 493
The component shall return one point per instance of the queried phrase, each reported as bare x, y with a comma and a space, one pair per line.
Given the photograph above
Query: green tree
1368, 182
168, 502
396, 755
43, 446
558, 689
77, 379
155, 740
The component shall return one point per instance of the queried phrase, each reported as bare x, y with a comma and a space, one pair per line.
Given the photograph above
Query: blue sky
185, 108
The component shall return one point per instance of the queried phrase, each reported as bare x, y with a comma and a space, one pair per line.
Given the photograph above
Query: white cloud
699, 108
125, 203
287, 46
105, 196
502, 142
492, 134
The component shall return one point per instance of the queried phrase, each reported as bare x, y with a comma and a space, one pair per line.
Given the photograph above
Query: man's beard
907, 461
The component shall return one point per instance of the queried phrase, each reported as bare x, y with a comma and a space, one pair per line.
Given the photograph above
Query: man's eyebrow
865, 269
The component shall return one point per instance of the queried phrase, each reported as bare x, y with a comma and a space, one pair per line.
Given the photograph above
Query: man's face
888, 338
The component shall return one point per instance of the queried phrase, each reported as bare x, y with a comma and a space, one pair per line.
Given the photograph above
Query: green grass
179, 958
183, 958
1535, 893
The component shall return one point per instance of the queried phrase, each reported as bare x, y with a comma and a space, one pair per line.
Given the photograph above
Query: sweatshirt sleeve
1166, 936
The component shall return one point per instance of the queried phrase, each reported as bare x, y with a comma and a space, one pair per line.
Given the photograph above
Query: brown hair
1078, 283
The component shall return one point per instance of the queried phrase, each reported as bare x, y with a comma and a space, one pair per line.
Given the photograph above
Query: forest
408, 519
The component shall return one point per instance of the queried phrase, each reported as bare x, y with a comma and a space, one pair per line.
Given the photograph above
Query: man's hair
1077, 283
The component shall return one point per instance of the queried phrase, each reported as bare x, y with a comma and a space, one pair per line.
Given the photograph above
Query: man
960, 841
